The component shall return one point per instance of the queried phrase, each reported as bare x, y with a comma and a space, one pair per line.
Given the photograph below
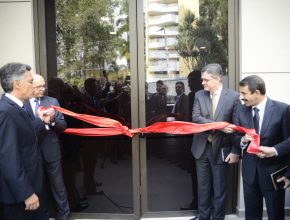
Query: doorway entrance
106, 58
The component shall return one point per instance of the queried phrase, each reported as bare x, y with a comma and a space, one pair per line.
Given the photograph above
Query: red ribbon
110, 127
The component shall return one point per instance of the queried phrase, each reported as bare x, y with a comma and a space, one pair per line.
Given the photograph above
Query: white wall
17, 37
265, 44
265, 50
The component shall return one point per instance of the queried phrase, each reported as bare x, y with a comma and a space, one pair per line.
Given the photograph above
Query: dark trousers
253, 196
54, 174
211, 175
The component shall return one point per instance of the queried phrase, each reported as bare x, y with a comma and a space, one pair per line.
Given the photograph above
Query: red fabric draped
109, 127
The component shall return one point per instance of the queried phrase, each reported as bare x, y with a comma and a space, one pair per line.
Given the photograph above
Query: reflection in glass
181, 37
93, 77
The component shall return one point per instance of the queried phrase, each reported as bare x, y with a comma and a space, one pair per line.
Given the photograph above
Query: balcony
157, 8
163, 20
155, 31
163, 66
160, 43
163, 1
163, 54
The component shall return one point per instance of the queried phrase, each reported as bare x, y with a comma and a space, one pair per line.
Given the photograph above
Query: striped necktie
256, 119
36, 100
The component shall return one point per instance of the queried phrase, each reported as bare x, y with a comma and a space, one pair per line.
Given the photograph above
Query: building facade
259, 36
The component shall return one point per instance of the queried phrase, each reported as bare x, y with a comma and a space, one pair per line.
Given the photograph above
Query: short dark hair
195, 74
180, 82
89, 82
160, 82
11, 72
254, 83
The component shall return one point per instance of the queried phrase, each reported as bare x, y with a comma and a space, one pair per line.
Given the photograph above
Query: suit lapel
43, 101
249, 117
22, 112
267, 116
220, 103
208, 104
29, 109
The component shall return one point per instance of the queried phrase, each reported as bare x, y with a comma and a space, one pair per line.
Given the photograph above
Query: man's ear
16, 84
257, 92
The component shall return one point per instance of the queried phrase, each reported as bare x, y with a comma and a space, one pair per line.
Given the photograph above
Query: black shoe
80, 207
84, 198
99, 183
187, 207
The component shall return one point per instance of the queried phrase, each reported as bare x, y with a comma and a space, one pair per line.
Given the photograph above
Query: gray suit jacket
50, 145
49, 142
202, 114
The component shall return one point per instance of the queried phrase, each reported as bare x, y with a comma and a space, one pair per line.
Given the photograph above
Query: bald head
38, 86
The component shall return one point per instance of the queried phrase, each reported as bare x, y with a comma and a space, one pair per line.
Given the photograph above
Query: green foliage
205, 39
84, 39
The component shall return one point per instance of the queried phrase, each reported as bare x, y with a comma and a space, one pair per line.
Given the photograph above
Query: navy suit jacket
49, 142
202, 114
20, 160
274, 131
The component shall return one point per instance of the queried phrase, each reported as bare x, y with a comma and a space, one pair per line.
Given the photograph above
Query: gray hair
11, 72
214, 69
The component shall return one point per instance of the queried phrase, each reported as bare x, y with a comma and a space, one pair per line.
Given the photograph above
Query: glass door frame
233, 77
137, 69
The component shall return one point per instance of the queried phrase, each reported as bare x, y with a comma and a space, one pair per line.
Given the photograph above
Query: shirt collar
14, 99
218, 91
262, 105
32, 100
180, 95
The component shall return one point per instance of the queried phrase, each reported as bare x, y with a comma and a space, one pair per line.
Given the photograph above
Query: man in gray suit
213, 149
49, 144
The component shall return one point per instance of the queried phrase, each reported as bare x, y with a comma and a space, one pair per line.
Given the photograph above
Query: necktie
213, 101
174, 107
36, 105
256, 119
24, 109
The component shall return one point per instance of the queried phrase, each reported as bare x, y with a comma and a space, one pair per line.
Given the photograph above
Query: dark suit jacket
202, 113
181, 108
49, 143
20, 160
158, 104
275, 129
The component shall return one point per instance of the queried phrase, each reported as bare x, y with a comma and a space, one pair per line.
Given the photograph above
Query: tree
204, 39
186, 45
83, 36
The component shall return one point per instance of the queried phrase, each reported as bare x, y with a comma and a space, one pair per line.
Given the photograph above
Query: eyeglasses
206, 80
40, 87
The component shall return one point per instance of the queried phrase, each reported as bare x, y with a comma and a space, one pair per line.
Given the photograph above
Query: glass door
89, 72
180, 37
129, 60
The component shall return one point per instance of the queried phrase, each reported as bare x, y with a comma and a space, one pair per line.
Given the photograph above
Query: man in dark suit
50, 145
158, 101
21, 171
180, 108
194, 85
271, 121
214, 103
